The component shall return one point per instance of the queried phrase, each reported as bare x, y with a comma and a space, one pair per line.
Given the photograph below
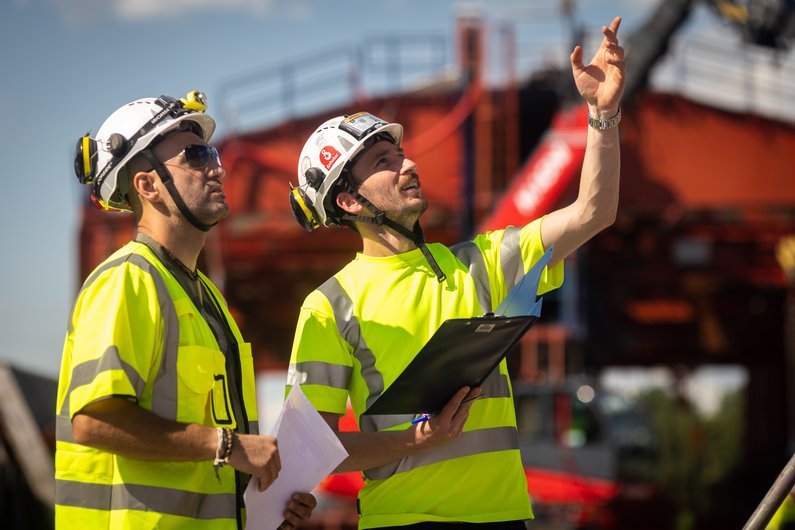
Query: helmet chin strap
165, 178
379, 218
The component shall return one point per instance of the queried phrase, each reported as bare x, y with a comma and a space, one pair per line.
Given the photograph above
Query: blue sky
67, 64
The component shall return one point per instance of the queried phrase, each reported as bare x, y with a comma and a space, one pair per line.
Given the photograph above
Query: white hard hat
101, 160
324, 157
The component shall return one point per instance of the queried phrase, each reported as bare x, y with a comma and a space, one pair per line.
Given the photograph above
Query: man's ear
347, 202
143, 182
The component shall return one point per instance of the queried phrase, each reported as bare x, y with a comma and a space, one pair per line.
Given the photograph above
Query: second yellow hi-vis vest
359, 330
134, 332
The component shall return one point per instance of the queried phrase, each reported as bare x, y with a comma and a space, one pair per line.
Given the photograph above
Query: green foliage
694, 452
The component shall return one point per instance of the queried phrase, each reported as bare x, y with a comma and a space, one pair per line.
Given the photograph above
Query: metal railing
334, 76
736, 77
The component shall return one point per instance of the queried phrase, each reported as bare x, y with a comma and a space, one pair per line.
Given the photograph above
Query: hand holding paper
309, 451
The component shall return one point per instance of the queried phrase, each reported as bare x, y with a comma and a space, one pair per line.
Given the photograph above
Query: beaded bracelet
223, 451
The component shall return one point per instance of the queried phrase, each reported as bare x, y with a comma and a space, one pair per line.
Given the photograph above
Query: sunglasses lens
199, 155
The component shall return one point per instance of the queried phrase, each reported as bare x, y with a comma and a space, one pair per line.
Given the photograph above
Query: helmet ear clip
314, 177
118, 145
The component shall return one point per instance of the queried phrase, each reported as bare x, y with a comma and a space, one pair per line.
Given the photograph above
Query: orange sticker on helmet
328, 155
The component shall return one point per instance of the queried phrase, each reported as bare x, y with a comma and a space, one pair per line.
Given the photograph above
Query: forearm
367, 450
121, 427
597, 199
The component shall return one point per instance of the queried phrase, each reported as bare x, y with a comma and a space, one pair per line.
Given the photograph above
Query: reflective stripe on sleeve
145, 498
511, 257
319, 373
84, 373
469, 443
469, 254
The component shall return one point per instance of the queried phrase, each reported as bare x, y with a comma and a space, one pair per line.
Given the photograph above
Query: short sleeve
532, 249
321, 360
115, 338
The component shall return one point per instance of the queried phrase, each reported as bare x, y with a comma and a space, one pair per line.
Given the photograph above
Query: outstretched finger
611, 33
576, 60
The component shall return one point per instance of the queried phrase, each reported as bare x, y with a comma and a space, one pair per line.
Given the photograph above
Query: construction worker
156, 410
362, 327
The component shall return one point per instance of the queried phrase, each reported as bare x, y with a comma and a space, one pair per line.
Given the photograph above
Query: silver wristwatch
603, 125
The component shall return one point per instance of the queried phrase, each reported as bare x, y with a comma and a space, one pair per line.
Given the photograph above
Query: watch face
361, 124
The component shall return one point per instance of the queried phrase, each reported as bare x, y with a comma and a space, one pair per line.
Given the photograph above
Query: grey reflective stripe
349, 329
511, 257
319, 373
469, 443
469, 254
495, 385
164, 388
253, 427
84, 373
145, 498
63, 428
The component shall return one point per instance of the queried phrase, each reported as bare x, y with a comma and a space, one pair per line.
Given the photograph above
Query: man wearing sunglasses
157, 417
460, 467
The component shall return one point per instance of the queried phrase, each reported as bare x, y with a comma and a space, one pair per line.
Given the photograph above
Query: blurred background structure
659, 390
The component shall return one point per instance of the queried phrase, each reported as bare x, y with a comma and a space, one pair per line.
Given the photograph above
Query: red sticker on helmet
328, 155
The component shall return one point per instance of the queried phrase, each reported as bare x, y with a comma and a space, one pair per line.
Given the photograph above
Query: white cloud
80, 13
148, 9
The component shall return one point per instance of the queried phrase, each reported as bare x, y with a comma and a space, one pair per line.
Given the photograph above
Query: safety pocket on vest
203, 392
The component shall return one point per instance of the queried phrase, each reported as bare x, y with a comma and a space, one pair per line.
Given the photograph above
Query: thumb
576, 60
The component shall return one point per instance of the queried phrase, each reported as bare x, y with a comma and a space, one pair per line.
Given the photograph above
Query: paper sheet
309, 451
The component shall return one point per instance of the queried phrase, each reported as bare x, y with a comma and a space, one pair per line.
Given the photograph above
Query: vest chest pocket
203, 393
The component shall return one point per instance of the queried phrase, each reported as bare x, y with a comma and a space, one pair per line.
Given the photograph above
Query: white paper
309, 450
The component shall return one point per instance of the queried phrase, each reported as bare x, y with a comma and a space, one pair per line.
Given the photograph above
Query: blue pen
421, 418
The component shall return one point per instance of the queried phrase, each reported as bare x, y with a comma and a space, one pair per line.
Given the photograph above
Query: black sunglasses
198, 156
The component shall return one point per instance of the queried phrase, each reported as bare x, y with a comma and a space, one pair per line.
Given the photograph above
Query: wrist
225, 441
602, 119
602, 113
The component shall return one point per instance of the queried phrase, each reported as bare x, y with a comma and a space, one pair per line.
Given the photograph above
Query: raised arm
601, 84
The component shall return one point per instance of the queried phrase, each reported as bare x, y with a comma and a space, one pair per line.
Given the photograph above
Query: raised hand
601, 83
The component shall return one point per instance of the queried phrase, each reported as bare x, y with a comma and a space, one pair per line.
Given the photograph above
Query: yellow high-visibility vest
134, 332
359, 330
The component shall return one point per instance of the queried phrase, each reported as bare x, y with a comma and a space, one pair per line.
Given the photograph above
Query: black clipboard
463, 352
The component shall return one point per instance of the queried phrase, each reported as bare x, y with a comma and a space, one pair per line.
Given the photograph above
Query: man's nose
217, 170
409, 166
